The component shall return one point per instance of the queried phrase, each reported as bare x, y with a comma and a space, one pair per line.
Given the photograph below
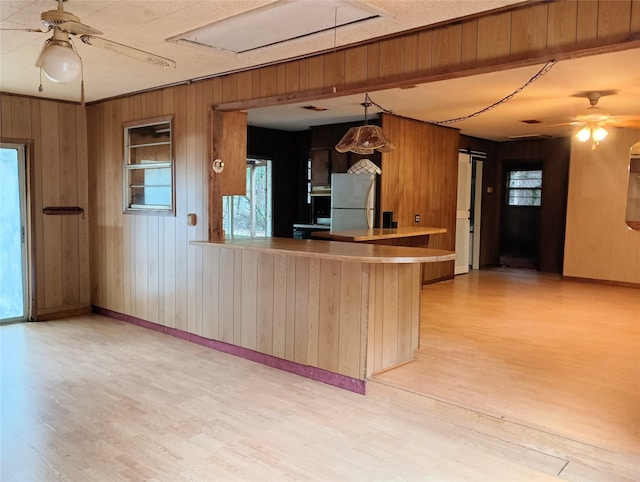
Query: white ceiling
146, 24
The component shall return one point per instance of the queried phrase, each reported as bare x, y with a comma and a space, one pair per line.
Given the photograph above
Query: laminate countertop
344, 251
376, 234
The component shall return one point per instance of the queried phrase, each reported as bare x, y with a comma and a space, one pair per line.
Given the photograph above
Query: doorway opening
468, 211
520, 219
14, 272
251, 215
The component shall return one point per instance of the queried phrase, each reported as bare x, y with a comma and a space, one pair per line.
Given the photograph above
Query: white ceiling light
60, 63
279, 22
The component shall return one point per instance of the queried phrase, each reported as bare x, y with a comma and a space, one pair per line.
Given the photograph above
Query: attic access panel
279, 22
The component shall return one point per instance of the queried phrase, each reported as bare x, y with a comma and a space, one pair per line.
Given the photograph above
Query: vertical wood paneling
181, 140
290, 308
529, 29
245, 85
226, 284
390, 314
328, 326
292, 76
36, 199
265, 302
587, 21
405, 311
392, 57
349, 349
424, 50
301, 315
447, 43
316, 72
210, 300
69, 197
237, 297
355, 65
248, 308
269, 81
5, 116
280, 308
411, 54
373, 61
304, 75
229, 88
281, 87
378, 317
494, 36
469, 41
635, 16
58, 171
334, 69
562, 23
314, 311
21, 122
194, 166
613, 18
51, 197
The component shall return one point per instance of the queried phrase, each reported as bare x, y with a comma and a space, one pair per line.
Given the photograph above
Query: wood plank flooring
93, 399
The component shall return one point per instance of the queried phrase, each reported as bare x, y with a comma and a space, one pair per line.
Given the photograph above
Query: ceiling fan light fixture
60, 63
584, 134
599, 133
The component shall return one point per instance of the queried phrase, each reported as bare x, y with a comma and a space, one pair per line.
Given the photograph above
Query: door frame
30, 220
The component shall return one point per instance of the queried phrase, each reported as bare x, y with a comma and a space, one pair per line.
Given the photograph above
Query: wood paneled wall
57, 137
142, 265
599, 245
421, 177
522, 35
349, 318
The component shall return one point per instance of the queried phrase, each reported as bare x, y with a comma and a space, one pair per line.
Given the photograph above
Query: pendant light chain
545, 69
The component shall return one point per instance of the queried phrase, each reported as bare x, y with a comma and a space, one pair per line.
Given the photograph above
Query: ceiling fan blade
35, 30
631, 123
129, 51
77, 28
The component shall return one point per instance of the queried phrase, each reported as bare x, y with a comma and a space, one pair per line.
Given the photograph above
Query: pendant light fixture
366, 138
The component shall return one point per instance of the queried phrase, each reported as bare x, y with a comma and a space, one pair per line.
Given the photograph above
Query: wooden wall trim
522, 36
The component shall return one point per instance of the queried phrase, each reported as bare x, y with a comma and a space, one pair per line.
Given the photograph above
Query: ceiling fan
594, 119
59, 58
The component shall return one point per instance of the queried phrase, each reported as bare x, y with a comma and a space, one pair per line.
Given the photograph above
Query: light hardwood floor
93, 399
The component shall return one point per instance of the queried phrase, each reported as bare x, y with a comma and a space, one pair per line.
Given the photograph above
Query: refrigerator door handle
370, 202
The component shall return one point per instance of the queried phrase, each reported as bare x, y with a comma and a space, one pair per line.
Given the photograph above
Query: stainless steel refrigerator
352, 201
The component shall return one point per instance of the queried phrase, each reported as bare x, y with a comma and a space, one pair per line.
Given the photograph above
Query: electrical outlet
417, 218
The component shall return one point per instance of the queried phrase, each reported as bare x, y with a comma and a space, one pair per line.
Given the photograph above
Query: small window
148, 167
524, 188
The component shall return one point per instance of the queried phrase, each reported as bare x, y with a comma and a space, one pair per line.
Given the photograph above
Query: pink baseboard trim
318, 374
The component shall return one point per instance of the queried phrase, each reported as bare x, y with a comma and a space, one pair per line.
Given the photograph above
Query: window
524, 187
148, 167
250, 215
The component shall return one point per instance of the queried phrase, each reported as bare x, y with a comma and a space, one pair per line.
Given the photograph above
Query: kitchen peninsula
333, 311
406, 236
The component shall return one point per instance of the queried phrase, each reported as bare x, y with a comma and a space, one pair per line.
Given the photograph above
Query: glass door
13, 242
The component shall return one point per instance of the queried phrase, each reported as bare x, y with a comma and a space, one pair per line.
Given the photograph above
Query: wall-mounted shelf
62, 210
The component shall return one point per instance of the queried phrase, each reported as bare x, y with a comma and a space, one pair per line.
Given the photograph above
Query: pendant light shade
366, 138
60, 63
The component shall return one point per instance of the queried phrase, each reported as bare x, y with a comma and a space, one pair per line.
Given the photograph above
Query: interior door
462, 213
